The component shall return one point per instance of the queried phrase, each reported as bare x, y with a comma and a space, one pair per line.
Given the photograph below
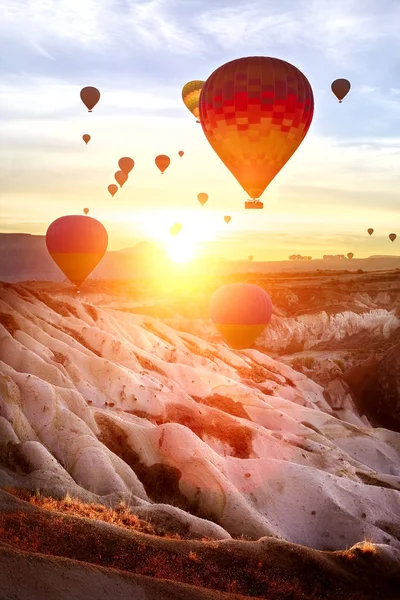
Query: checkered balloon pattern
255, 112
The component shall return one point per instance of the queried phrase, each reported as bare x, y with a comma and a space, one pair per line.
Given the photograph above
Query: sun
180, 250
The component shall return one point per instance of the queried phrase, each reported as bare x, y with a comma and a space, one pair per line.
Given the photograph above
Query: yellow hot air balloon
191, 95
120, 177
86, 138
227, 219
202, 198
340, 87
162, 162
255, 112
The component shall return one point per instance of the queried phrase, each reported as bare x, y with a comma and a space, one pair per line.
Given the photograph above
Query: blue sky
343, 179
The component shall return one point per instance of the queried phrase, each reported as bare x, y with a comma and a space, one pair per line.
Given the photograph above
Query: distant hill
24, 257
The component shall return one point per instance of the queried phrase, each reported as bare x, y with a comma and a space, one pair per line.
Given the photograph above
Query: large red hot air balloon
240, 312
126, 164
90, 97
86, 138
120, 177
162, 161
113, 189
255, 112
76, 244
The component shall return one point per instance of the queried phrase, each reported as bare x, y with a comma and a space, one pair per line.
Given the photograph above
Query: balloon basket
253, 204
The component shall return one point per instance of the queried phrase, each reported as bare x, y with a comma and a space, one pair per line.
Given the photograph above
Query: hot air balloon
126, 164
392, 236
240, 312
191, 95
76, 244
175, 229
90, 97
202, 198
350, 255
255, 112
251, 258
227, 219
120, 177
86, 138
113, 189
181, 153
162, 161
86, 210
340, 87
370, 231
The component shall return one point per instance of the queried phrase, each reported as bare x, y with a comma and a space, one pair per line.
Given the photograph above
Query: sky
343, 179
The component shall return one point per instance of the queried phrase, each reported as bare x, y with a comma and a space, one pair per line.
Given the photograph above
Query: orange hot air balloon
202, 198
90, 97
120, 177
240, 312
370, 231
86, 138
255, 112
191, 95
126, 164
340, 87
175, 229
392, 236
86, 210
227, 219
113, 189
76, 244
181, 153
350, 255
162, 161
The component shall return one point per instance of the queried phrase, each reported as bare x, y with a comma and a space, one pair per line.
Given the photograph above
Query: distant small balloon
227, 219
120, 177
175, 229
370, 231
181, 153
162, 162
202, 198
392, 236
340, 87
113, 189
350, 255
86, 138
86, 210
126, 164
90, 97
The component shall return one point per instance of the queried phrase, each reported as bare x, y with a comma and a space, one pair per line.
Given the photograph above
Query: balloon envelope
255, 112
175, 229
113, 189
370, 231
120, 177
76, 244
340, 87
191, 95
227, 219
392, 236
240, 312
126, 164
202, 198
181, 153
162, 161
86, 210
86, 138
90, 97
350, 255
